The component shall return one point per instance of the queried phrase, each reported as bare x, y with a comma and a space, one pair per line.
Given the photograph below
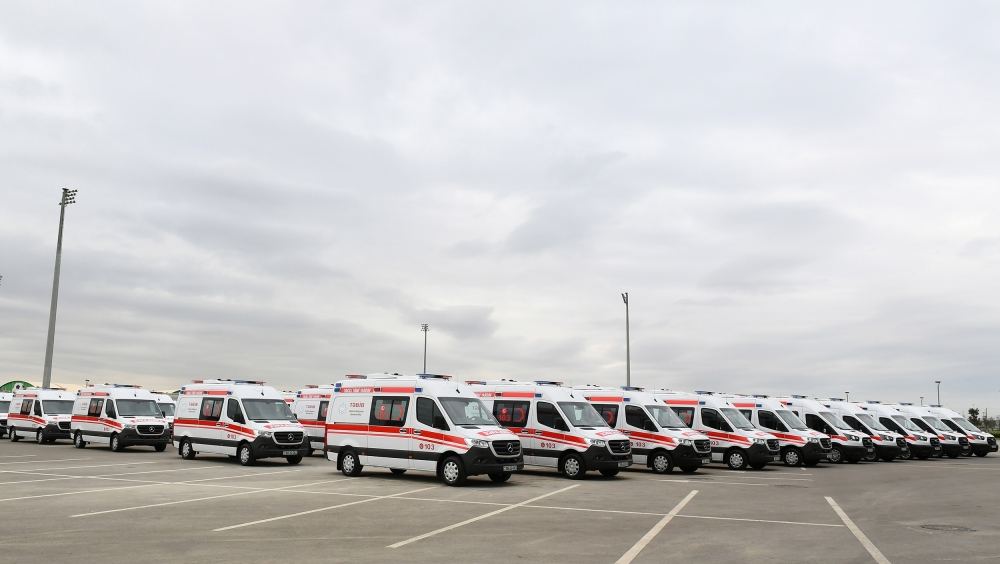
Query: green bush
996, 434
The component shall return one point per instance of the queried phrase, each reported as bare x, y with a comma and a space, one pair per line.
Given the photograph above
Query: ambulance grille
866, 442
935, 441
507, 448
150, 429
827, 444
703, 445
772, 444
963, 441
289, 438
64, 425
901, 443
991, 440
619, 447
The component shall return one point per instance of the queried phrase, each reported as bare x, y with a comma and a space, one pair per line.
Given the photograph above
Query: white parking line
715, 482
481, 517
17, 455
761, 521
45, 461
43, 470
630, 555
166, 503
865, 542
761, 478
258, 522
75, 493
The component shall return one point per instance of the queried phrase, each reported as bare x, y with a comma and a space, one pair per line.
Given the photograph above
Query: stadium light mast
68, 197
628, 344
425, 328
938, 382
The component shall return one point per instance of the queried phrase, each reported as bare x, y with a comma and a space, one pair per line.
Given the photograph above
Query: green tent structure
15, 384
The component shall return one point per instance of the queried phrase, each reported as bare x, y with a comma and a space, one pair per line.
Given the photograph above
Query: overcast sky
798, 198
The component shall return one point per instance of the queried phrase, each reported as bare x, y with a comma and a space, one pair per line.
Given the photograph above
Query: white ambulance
799, 444
241, 418
118, 415
888, 445
922, 445
167, 406
660, 440
848, 445
953, 444
557, 426
42, 413
4, 407
424, 422
310, 408
735, 441
981, 442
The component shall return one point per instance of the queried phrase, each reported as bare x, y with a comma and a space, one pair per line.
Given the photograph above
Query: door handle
220, 424
416, 431
537, 432
402, 431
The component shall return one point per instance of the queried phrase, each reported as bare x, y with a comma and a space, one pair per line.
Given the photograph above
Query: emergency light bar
632, 388
474, 382
434, 376
936, 405
548, 383
355, 376
905, 403
874, 401
760, 396
836, 399
703, 392
121, 385
799, 397
228, 381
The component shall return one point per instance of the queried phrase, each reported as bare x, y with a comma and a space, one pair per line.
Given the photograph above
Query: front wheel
873, 457
116, 443
452, 471
662, 463
160, 447
13, 436
923, 456
953, 454
572, 466
689, 468
245, 454
78, 441
398, 471
735, 460
905, 454
791, 457
836, 456
888, 458
609, 472
187, 450
39, 437
981, 454
500, 477
350, 465
293, 460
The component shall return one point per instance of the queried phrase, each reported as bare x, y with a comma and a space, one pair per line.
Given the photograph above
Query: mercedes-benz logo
510, 447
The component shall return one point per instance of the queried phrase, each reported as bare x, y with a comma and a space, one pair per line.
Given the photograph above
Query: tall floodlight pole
921, 400
628, 344
938, 382
425, 328
847, 395
68, 197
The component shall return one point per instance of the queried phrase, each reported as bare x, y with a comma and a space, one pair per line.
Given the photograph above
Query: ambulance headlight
759, 442
597, 442
853, 438
886, 438
687, 442
479, 443
813, 440
128, 426
980, 437
266, 434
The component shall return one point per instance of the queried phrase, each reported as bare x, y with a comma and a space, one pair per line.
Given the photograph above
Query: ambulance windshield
936, 423
57, 407
665, 417
870, 421
268, 410
582, 414
4, 406
791, 420
905, 423
737, 419
167, 409
961, 423
467, 411
138, 408
835, 420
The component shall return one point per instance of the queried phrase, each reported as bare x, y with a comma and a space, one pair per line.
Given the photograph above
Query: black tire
350, 464
905, 454
398, 471
160, 447
452, 471
293, 460
854, 460
735, 460
661, 462
689, 468
810, 463
888, 458
758, 465
792, 457
78, 441
39, 437
186, 450
572, 466
923, 456
981, 454
13, 436
953, 454
836, 455
873, 457
609, 472
309, 452
500, 477
244, 453
116, 443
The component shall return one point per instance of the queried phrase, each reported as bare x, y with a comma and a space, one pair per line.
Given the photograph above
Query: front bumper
481, 460
950, 449
892, 451
686, 456
600, 458
814, 452
52, 431
265, 447
131, 437
924, 450
758, 454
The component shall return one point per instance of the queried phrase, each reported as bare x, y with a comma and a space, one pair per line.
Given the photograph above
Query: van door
209, 435
234, 427
642, 432
388, 436
347, 425
513, 414
428, 427
718, 431
546, 452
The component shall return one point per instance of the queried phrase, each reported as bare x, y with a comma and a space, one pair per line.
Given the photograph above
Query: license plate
871, 450
510, 468
289, 452
624, 464
706, 460
776, 458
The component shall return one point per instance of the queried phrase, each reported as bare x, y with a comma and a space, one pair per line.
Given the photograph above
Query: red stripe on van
605, 398
515, 394
98, 420
744, 404
680, 401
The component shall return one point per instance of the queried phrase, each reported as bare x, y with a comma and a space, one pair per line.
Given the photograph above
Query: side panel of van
347, 425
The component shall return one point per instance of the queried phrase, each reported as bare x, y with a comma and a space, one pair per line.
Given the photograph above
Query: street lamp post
628, 344
68, 197
921, 400
425, 328
938, 382
847, 396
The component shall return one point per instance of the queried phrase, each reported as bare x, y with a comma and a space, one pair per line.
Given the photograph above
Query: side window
429, 414
38, 408
94, 409
211, 409
324, 406
817, 424
389, 411
769, 420
892, 425
636, 417
855, 424
609, 412
549, 416
686, 414
923, 425
511, 413
748, 413
711, 419
109, 409
233, 411
26, 407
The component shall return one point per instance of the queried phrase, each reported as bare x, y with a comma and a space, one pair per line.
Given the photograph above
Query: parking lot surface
58, 503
